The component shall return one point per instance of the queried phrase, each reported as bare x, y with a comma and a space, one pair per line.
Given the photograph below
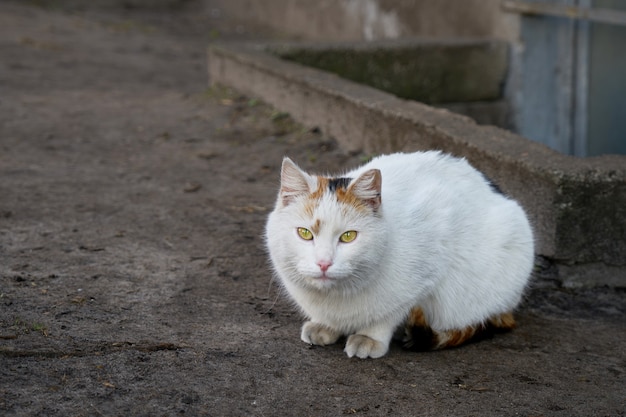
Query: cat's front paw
318, 334
363, 347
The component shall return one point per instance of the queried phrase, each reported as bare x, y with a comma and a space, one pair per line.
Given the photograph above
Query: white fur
441, 239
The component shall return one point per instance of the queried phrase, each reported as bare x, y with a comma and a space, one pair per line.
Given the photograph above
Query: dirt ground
133, 278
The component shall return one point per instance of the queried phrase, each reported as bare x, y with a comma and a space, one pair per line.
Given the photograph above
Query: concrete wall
349, 20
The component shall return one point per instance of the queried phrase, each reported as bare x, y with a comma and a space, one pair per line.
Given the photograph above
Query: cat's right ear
293, 182
367, 188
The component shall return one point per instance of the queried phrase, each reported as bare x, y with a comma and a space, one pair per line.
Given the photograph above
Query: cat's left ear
367, 188
293, 182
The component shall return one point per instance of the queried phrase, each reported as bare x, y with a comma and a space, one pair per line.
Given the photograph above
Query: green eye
305, 233
348, 236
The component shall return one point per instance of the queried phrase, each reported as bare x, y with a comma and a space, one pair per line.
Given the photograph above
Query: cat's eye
305, 233
348, 236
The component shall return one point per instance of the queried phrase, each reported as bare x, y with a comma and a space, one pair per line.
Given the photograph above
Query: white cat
422, 240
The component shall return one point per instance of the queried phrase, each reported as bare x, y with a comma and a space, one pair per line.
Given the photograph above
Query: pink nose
324, 265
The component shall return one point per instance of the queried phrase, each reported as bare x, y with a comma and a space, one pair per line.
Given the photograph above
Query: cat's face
325, 233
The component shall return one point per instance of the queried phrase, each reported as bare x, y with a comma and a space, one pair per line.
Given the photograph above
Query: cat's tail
421, 337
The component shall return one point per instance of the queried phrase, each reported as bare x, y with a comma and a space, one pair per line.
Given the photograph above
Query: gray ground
133, 279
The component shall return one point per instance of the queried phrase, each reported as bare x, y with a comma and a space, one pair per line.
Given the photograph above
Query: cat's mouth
323, 281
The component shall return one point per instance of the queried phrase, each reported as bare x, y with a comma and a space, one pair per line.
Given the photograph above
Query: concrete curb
577, 206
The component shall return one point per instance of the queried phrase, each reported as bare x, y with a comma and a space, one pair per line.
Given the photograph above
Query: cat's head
326, 232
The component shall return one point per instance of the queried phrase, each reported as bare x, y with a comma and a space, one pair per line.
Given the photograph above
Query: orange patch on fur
342, 194
416, 318
502, 322
316, 227
315, 196
346, 197
417, 327
496, 324
322, 186
453, 338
